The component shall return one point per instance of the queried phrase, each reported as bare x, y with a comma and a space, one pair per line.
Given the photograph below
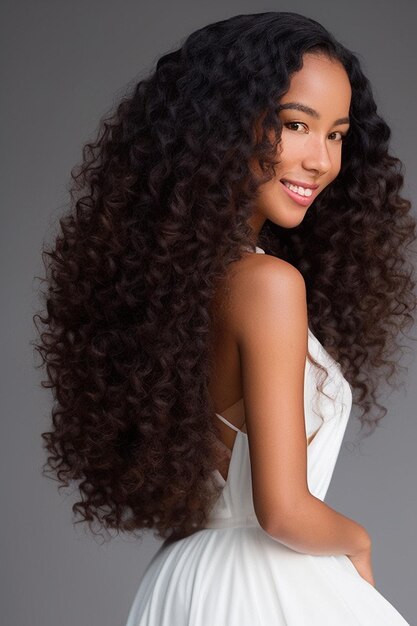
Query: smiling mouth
292, 192
302, 190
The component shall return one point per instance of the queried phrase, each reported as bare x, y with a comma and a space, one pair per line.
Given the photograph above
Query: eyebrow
309, 111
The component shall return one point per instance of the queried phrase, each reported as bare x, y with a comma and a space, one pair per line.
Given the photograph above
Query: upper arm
269, 318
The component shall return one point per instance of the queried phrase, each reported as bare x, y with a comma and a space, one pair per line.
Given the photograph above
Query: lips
301, 200
298, 183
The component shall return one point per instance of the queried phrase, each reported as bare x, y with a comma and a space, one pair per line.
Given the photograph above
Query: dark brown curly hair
159, 209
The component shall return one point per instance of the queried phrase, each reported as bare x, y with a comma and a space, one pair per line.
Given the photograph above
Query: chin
288, 221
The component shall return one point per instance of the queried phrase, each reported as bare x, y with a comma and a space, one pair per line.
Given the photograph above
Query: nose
316, 155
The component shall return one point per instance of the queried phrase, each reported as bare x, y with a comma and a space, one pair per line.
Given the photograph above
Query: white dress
232, 573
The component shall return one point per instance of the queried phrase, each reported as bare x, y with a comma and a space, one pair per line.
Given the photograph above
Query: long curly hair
159, 210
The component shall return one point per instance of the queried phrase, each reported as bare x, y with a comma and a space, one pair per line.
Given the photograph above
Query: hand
363, 563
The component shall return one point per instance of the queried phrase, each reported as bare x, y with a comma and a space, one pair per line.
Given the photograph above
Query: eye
342, 135
293, 124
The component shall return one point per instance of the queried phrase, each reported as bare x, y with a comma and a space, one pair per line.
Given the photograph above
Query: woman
238, 212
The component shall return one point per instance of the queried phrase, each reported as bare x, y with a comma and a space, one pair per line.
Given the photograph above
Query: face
311, 141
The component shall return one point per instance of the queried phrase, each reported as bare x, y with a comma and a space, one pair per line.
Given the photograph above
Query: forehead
322, 84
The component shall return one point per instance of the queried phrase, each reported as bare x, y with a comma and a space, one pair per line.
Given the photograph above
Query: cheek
292, 146
336, 163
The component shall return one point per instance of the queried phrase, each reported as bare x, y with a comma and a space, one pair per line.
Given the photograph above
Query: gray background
63, 65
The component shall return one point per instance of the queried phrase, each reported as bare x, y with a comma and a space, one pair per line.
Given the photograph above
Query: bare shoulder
259, 284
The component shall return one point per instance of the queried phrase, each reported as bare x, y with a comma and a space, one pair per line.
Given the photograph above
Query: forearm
315, 528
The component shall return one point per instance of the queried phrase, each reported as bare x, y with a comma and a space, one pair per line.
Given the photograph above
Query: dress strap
258, 250
224, 420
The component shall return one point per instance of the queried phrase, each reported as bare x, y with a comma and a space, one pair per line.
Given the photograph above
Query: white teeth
302, 191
